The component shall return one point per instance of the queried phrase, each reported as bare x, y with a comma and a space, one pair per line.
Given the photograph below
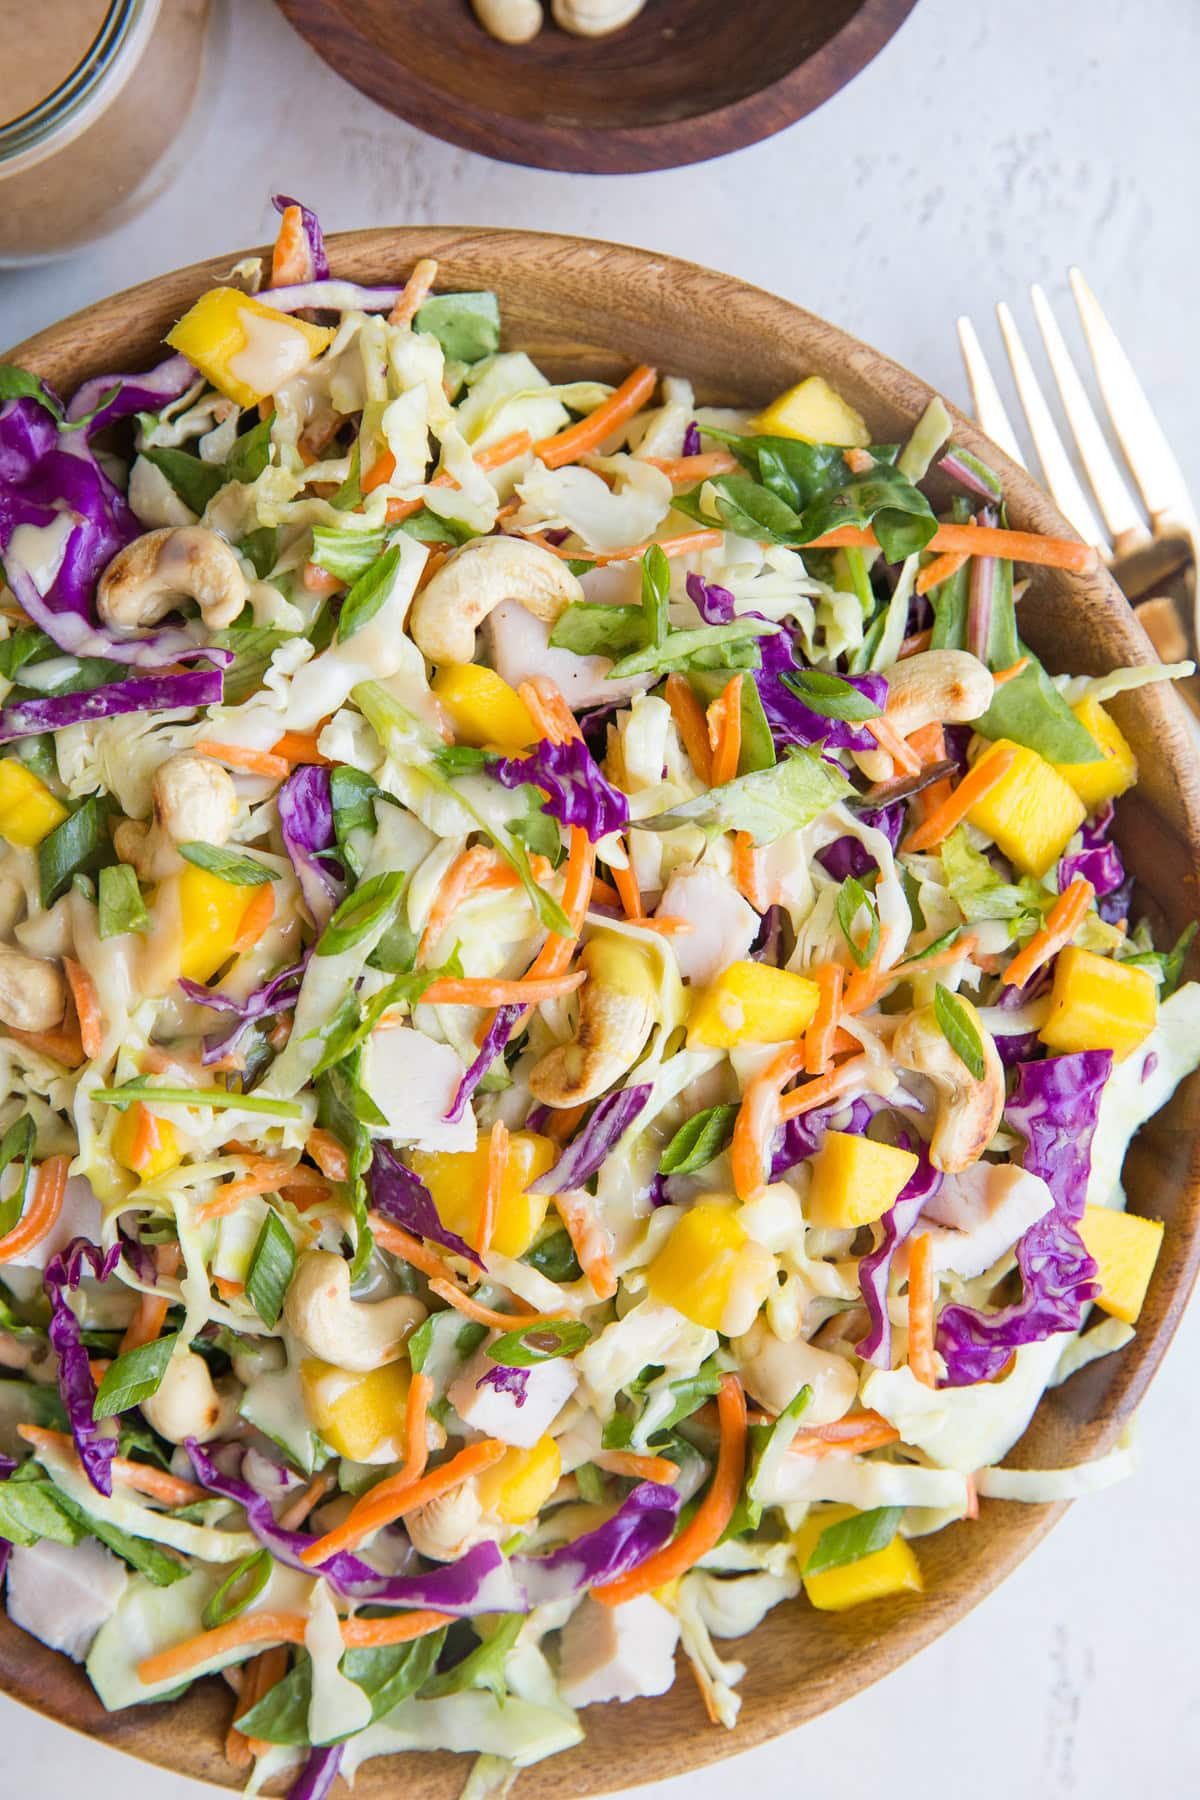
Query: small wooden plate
686, 80
588, 309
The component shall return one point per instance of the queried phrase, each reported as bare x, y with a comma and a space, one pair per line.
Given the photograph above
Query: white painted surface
986, 147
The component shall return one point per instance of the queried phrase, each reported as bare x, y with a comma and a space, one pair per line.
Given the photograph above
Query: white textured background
988, 146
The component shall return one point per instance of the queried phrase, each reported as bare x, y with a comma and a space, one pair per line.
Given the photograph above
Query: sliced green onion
133, 1377
539, 1343
130, 1091
831, 697
959, 1030
271, 1268
853, 899
238, 1591
239, 871
851, 1539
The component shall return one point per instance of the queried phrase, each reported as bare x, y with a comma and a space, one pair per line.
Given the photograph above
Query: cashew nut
968, 1110
149, 578
445, 1528
948, 687
593, 18
194, 802
33, 993
774, 1372
512, 21
474, 580
188, 1404
616, 1011
346, 1332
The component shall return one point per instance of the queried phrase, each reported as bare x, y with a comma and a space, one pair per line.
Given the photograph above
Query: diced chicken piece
774, 1372
63, 1594
519, 648
80, 1217
413, 1081
984, 1210
617, 1652
723, 925
518, 1412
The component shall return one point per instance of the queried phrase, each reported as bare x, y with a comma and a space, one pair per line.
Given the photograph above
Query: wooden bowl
588, 309
686, 80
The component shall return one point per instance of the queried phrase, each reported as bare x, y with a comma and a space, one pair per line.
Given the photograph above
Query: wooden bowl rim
596, 150
185, 1738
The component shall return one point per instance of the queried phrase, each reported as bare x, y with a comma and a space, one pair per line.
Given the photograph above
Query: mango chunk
359, 1416
1032, 813
246, 349
1125, 1249
1096, 782
144, 1143
518, 1486
210, 917
28, 810
709, 1266
814, 411
893, 1570
855, 1181
457, 1179
1099, 1004
483, 709
752, 1003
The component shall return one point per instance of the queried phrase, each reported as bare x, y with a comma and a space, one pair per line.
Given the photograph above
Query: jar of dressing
92, 95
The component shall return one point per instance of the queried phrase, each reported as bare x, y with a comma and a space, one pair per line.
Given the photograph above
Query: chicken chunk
413, 1081
617, 1652
984, 1210
519, 1413
63, 1594
723, 925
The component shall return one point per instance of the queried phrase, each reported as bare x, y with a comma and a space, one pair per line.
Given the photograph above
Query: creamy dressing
40, 549
273, 351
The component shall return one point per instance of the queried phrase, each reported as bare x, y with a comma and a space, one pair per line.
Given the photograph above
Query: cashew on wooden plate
518, 21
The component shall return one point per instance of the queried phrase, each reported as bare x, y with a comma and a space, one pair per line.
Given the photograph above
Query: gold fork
1153, 553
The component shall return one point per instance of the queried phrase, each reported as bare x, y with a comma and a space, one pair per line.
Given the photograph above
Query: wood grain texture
589, 308
685, 81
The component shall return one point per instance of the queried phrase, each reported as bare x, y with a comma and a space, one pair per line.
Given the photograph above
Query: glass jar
90, 103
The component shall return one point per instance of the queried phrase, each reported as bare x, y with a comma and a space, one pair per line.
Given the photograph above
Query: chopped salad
570, 1013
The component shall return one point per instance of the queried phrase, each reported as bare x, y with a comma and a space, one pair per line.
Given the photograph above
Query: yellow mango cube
814, 411
855, 1181
1125, 1249
1096, 782
28, 810
1099, 1004
359, 1416
144, 1143
245, 348
893, 1570
483, 710
518, 1486
457, 1179
210, 917
752, 1003
1031, 813
708, 1264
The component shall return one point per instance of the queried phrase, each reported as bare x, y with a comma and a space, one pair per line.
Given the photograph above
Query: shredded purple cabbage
875, 1268
146, 390
318, 1774
792, 722
403, 1198
589, 1147
319, 270
149, 693
1054, 1106
714, 604
1097, 860
75, 1384
306, 822
848, 856
139, 1256
493, 1045
767, 944
504, 1380
577, 792
332, 296
691, 439
803, 1136
275, 996
642, 1526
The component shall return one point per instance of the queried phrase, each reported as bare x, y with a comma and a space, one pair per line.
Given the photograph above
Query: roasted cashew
179, 562
188, 1404
593, 18
947, 687
616, 1011
195, 801
512, 21
474, 580
349, 1333
445, 1528
33, 993
968, 1110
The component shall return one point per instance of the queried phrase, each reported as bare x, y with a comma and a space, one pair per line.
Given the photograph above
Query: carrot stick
889, 739
701, 467
292, 1517
379, 473
300, 747
453, 1295
635, 1467
567, 446
851, 1436
316, 580
256, 762
818, 1040
747, 871
505, 451
625, 882
942, 568
921, 1357
409, 1249
975, 784
825, 1087
41, 1215
590, 1240
291, 259
264, 1176
976, 540
87, 1005
463, 876
691, 725
497, 1162
1062, 922
758, 1119
145, 1138
928, 742
61, 1044
390, 1500
260, 1675
483, 990
376, 1634
724, 720
280, 1628
150, 1314
912, 646
711, 1517
548, 709
142, 1477
260, 910
562, 1122
415, 293
416, 1456
691, 542
1000, 676
328, 1153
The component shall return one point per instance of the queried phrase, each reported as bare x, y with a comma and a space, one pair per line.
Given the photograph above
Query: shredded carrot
483, 990
942, 568
701, 467
567, 446
758, 1119
264, 1175
260, 1675
61, 1044
497, 1162
393, 1498
316, 580
977, 540
928, 742
416, 1456
668, 925
300, 747
293, 1516
691, 724
562, 1122
260, 910
975, 784
41, 1215
548, 709
146, 1137
328, 1153
889, 739
416, 292
625, 882
1062, 922
142, 1477
466, 873
228, 1290
409, 1249
1000, 676
921, 1355
818, 1039
379, 473
145, 1327
724, 721
866, 986
556, 953
255, 762
453, 1295
852, 1435
688, 544
703, 1531
291, 259
747, 871
972, 1511
912, 646
590, 1239
858, 460
87, 1005
825, 1087
281, 1628
635, 1467
505, 451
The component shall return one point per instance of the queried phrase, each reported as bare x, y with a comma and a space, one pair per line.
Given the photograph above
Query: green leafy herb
17, 1145
253, 647
678, 647
33, 1509
796, 472
396, 951
959, 1030
142, 1089
21, 647
656, 588
831, 697
76, 845
902, 517
745, 506
349, 496
387, 1676
539, 1343
366, 909
767, 804
851, 1539
148, 1558
429, 527
590, 629
19, 384
194, 480
369, 593
699, 1142
852, 900
122, 908
134, 1376
467, 326
239, 871
483, 1667
261, 550
758, 746
351, 795
554, 1257
240, 1588
270, 1272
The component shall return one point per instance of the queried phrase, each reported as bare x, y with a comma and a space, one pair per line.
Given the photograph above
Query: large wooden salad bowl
595, 309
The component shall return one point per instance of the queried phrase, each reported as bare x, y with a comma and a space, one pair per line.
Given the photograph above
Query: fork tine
1120, 509
1061, 478
989, 408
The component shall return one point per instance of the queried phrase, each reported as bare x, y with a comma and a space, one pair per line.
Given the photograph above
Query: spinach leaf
34, 1508
554, 1257
467, 326
250, 454
142, 1554
1030, 710
851, 1539
483, 1667
21, 647
679, 647
590, 629
794, 470
261, 549
194, 480
902, 517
